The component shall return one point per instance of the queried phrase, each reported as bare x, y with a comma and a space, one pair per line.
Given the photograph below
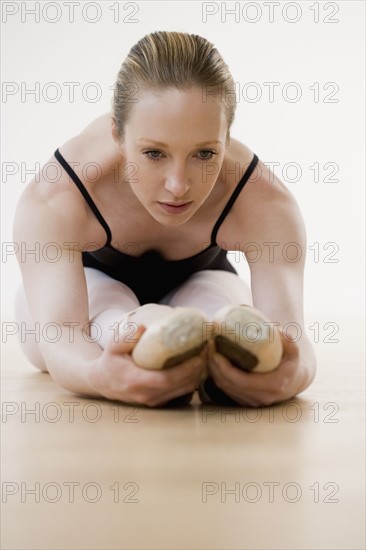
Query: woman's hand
294, 373
115, 376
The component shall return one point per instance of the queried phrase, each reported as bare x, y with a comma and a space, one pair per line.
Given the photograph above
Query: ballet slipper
175, 337
248, 339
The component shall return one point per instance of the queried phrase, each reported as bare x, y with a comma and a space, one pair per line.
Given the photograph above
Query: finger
260, 388
232, 379
188, 368
190, 371
224, 372
211, 348
172, 376
158, 387
124, 345
162, 399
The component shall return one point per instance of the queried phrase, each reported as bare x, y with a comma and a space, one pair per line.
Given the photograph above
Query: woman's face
173, 150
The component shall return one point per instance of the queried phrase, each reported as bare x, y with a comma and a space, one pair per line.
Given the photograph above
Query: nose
177, 184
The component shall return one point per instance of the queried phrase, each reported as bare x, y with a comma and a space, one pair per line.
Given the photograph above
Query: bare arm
277, 278
277, 261
56, 223
273, 240
56, 290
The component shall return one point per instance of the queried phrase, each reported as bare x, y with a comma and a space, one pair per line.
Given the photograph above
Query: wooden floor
90, 474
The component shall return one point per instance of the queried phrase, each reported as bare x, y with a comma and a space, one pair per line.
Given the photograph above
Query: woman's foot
175, 337
249, 341
247, 338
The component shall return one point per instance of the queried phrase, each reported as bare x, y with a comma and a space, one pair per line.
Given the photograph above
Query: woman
150, 199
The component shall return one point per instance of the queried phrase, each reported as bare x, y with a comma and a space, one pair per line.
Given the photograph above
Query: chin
172, 221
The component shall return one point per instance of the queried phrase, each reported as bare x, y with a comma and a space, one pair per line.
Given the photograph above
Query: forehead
178, 110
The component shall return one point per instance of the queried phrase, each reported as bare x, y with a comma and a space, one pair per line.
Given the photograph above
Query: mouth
175, 207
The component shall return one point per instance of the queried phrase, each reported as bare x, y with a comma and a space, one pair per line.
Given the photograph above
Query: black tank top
150, 276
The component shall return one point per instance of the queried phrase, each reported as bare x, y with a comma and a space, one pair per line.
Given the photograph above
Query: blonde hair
165, 59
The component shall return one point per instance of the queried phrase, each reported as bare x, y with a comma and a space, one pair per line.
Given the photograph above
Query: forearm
308, 361
281, 301
278, 292
70, 362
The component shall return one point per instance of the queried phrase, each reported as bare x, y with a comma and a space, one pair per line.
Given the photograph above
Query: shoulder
263, 196
93, 146
52, 202
262, 182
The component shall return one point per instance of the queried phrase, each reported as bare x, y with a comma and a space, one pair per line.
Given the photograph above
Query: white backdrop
299, 68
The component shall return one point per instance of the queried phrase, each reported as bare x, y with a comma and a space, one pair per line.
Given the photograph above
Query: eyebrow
166, 145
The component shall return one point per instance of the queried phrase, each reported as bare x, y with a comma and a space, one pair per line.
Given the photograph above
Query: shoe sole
237, 355
209, 393
172, 361
264, 355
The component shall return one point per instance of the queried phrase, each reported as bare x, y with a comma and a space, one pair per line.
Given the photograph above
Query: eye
207, 154
154, 154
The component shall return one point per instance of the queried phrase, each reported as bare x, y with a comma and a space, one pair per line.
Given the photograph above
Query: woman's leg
210, 290
112, 302
109, 303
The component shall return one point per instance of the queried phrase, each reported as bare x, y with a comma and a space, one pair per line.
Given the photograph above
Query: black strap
85, 194
233, 198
